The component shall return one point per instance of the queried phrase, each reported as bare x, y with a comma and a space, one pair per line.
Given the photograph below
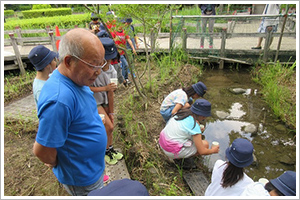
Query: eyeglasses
95, 68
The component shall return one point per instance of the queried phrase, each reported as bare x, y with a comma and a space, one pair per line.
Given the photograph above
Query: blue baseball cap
123, 187
129, 20
40, 56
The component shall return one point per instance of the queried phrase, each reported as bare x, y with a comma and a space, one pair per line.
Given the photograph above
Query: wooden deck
232, 42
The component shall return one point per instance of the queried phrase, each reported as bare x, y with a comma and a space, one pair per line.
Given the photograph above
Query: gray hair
70, 46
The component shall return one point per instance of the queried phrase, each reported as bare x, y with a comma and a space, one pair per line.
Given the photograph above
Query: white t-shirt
255, 189
177, 96
216, 189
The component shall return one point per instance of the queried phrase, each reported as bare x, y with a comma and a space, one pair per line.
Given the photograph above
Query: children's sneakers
115, 154
112, 156
109, 158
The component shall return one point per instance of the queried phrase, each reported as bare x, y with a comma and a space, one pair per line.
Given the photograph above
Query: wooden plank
199, 58
230, 59
197, 182
117, 171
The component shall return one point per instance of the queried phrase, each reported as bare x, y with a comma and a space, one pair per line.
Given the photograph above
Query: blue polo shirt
69, 122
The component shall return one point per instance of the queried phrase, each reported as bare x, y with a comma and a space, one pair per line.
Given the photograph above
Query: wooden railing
224, 34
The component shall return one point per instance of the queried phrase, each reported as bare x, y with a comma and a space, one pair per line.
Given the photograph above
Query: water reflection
234, 115
218, 131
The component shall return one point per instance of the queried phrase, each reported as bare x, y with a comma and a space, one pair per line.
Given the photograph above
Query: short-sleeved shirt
37, 87
255, 189
178, 133
111, 72
69, 121
177, 96
120, 39
101, 81
215, 188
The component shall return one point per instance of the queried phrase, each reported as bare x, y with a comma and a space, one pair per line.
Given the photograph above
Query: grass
17, 86
279, 83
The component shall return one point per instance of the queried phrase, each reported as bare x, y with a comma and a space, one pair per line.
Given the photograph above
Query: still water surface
274, 144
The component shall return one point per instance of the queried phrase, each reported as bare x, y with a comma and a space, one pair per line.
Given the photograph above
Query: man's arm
46, 154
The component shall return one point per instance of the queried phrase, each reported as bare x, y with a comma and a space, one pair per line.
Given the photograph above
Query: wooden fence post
267, 44
18, 31
17, 53
52, 41
198, 26
152, 41
184, 39
222, 50
280, 37
171, 33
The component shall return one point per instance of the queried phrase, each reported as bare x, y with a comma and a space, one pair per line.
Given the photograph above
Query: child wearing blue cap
104, 94
44, 61
228, 177
181, 138
181, 98
94, 25
284, 185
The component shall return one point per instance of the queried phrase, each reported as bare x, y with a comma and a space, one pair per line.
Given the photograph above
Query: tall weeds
279, 90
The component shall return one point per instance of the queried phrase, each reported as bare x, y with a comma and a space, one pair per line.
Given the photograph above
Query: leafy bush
46, 12
40, 6
41, 23
8, 13
25, 7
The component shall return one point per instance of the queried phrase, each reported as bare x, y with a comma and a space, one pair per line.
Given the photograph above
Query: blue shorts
166, 114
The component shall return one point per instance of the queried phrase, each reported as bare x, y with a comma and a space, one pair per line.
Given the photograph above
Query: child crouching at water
182, 135
179, 99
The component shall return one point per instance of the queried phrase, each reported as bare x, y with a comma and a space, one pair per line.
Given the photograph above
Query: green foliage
46, 12
15, 86
8, 13
277, 82
40, 6
25, 7
41, 23
168, 63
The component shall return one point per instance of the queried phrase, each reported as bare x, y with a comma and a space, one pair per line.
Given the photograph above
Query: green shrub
40, 6
68, 21
46, 12
25, 7
8, 13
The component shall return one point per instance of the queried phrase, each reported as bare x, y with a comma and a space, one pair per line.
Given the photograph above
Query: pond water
233, 115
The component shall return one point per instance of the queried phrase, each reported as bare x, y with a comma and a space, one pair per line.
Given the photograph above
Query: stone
237, 90
251, 128
285, 159
280, 128
222, 114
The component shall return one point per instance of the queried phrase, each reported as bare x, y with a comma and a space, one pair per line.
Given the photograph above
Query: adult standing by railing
206, 10
268, 24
